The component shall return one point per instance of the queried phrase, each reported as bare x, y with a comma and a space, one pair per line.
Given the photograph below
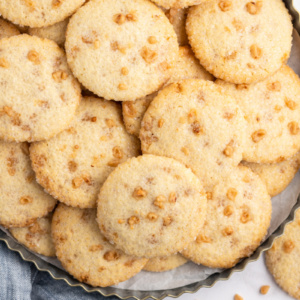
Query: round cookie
7, 29
195, 122
176, 3
272, 112
276, 176
164, 263
283, 260
56, 32
151, 206
22, 200
85, 253
38, 13
39, 95
187, 66
241, 46
238, 217
177, 18
73, 165
121, 50
37, 236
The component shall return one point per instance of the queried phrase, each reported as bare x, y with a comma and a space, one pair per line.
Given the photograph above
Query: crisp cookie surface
165, 263
177, 18
151, 206
272, 112
121, 50
73, 165
276, 176
7, 29
283, 260
238, 217
39, 95
187, 66
176, 3
242, 46
22, 200
85, 253
38, 13
56, 32
37, 236
195, 122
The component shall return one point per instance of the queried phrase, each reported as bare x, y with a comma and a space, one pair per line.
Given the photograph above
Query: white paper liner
190, 272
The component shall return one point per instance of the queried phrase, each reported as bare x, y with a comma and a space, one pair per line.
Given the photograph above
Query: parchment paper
190, 272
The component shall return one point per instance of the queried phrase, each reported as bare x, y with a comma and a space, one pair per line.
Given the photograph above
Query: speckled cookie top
238, 217
39, 95
38, 13
151, 206
73, 165
243, 45
195, 122
121, 50
283, 260
187, 66
36, 236
22, 200
85, 253
272, 113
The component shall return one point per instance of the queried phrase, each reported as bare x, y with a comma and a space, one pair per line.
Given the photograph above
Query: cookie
276, 176
22, 200
85, 253
7, 29
56, 32
73, 165
238, 217
151, 206
272, 112
283, 260
39, 95
37, 236
176, 3
242, 45
121, 50
38, 13
187, 66
177, 17
165, 263
195, 122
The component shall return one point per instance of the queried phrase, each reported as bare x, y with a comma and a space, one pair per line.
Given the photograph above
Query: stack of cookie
206, 98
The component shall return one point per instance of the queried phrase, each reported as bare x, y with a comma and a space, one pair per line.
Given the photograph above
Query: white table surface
247, 284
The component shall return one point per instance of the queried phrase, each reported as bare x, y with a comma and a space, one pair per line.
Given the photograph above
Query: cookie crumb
238, 297
264, 289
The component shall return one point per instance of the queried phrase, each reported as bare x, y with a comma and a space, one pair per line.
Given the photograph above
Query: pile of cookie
208, 130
